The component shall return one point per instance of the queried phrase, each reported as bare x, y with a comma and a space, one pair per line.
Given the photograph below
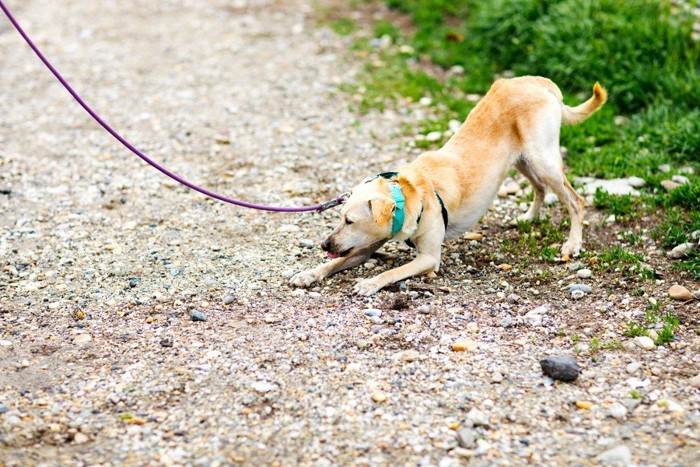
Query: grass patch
652, 316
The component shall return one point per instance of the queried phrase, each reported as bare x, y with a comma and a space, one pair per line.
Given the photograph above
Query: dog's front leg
320, 272
427, 260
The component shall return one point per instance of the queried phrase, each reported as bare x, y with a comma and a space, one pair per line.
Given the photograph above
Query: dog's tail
574, 115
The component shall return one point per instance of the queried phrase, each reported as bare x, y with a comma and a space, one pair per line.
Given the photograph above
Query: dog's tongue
333, 255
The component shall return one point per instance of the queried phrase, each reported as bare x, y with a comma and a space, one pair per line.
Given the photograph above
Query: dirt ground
106, 267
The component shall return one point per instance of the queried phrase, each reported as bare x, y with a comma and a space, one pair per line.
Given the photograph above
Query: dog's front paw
367, 287
305, 278
570, 249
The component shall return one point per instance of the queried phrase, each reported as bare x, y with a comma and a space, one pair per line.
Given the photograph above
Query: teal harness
400, 200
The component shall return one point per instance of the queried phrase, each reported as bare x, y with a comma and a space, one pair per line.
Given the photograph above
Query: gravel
102, 259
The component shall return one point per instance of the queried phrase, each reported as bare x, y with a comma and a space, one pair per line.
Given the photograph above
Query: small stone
82, 339
5, 343
633, 367
80, 438
410, 355
672, 406
534, 316
135, 421
618, 411
512, 298
669, 185
477, 417
4, 408
166, 342
379, 396
618, 456
505, 267
577, 294
496, 377
584, 273
263, 387
5, 190
306, 243
550, 199
197, 316
678, 292
665, 168
466, 437
433, 136
477, 237
507, 322
561, 367
424, 309
582, 287
653, 335
229, 299
80, 315
681, 251
695, 381
644, 342
682, 179
575, 266
373, 313
584, 405
465, 345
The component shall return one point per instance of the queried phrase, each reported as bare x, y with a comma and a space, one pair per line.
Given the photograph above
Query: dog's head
365, 220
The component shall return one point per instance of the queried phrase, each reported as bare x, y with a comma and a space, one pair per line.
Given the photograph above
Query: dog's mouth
333, 255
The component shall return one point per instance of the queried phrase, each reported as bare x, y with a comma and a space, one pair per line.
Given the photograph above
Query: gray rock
229, 299
619, 455
513, 298
633, 367
166, 342
373, 312
476, 417
534, 317
618, 411
4, 408
197, 316
5, 190
561, 367
582, 287
682, 179
466, 437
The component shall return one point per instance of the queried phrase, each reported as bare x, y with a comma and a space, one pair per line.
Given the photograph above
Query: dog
443, 193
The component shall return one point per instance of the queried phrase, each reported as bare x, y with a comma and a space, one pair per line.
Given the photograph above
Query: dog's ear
382, 209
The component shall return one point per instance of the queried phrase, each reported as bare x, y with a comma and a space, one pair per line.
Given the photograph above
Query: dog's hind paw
570, 249
366, 287
304, 279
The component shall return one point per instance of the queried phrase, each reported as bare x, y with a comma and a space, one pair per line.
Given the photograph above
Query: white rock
82, 339
619, 455
615, 186
433, 136
477, 417
644, 342
550, 199
4, 343
263, 386
633, 367
672, 406
665, 168
80, 438
584, 273
636, 182
695, 381
534, 317
681, 250
618, 411
680, 179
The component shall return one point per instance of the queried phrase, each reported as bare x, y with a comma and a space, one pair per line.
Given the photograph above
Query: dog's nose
326, 244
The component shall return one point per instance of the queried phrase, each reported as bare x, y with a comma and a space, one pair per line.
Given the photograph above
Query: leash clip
333, 203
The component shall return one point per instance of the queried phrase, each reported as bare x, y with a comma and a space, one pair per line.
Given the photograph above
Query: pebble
229, 299
617, 456
5, 190
672, 406
423, 309
166, 342
512, 298
5, 343
465, 345
263, 387
4, 408
80, 438
669, 185
477, 237
82, 339
561, 367
582, 287
584, 405
678, 292
379, 396
534, 316
410, 355
633, 367
695, 381
681, 251
476, 417
618, 411
584, 273
575, 266
466, 437
644, 342
373, 312
550, 199
496, 377
197, 316
577, 294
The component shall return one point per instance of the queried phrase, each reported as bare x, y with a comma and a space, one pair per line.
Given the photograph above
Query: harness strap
445, 218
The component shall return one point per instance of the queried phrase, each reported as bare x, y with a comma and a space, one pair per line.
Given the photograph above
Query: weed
635, 329
634, 394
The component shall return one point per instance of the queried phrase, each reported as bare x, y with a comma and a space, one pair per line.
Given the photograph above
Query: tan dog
443, 193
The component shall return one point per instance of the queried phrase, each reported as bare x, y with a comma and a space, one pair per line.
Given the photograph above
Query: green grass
638, 49
653, 315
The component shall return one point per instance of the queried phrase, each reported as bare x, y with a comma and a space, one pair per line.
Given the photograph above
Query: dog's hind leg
538, 188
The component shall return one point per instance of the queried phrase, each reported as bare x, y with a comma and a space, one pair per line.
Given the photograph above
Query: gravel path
143, 324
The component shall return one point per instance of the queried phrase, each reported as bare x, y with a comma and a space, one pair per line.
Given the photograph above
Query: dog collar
399, 199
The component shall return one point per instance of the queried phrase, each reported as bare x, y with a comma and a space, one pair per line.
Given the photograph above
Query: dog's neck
413, 206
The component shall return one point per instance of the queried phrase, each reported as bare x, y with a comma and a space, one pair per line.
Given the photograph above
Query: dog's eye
348, 221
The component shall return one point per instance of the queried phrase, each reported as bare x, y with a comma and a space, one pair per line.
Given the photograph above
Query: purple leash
317, 207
